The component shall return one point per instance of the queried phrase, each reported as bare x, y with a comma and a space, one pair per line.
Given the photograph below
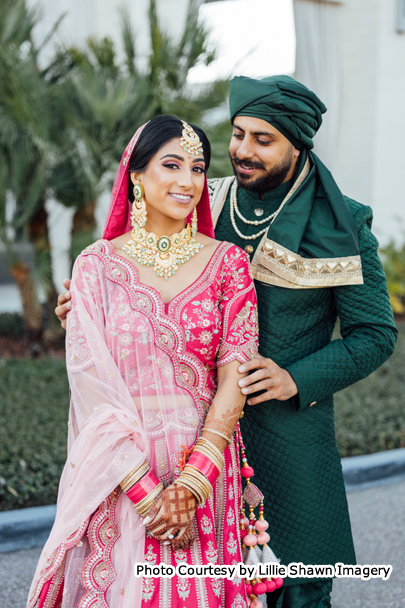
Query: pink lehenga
142, 375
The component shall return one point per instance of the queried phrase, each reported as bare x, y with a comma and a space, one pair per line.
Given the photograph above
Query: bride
162, 315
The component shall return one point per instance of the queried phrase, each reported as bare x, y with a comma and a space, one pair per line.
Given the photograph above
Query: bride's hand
171, 516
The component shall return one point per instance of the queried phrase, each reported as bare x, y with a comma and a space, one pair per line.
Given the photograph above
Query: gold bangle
150, 498
218, 463
143, 506
197, 480
215, 432
134, 476
210, 446
205, 446
131, 473
193, 488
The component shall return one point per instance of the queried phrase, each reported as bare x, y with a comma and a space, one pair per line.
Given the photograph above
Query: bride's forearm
226, 407
207, 461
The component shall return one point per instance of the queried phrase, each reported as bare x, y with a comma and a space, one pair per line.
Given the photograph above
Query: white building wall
389, 150
359, 32
369, 164
101, 18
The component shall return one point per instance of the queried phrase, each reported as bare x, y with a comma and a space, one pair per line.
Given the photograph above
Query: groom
314, 259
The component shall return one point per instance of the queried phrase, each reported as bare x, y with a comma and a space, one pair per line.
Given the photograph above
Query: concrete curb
362, 472
25, 528
28, 528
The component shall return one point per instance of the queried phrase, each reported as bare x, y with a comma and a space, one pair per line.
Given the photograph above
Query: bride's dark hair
156, 134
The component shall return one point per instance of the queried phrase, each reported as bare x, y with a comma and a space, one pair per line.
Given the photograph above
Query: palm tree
22, 177
63, 127
33, 148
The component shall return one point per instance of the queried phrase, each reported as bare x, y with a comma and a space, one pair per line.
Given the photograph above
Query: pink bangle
204, 465
143, 487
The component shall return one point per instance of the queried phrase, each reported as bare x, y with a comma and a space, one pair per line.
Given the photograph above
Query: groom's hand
64, 304
269, 377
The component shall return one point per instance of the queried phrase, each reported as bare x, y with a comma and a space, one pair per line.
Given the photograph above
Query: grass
34, 403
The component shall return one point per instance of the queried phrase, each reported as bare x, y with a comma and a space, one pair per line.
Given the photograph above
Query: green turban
316, 221
288, 105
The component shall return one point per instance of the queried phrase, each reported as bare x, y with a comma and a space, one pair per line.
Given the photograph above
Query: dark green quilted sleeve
366, 325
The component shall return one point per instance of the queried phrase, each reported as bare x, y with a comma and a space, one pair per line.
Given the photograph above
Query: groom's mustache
247, 163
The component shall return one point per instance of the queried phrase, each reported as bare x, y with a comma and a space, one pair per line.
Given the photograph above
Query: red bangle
204, 465
143, 487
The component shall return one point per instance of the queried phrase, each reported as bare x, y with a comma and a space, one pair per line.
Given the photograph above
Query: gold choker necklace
164, 253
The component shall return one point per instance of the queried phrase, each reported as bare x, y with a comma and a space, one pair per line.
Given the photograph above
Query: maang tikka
190, 142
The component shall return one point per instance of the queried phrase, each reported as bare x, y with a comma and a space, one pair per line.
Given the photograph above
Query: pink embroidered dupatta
115, 421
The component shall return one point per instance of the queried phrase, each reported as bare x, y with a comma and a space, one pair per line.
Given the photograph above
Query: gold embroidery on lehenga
236, 580
148, 583
55, 586
55, 563
211, 553
232, 544
216, 585
206, 524
238, 602
97, 572
230, 517
183, 587
148, 587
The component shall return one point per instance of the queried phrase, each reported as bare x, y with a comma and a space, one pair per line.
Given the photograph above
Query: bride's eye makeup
196, 169
170, 165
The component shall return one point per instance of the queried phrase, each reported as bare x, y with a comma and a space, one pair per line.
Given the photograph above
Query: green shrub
34, 405
393, 258
370, 415
11, 324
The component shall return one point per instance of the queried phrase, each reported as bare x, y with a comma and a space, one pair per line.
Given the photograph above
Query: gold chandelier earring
194, 223
138, 213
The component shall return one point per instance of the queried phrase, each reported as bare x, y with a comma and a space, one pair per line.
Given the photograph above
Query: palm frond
17, 22
128, 39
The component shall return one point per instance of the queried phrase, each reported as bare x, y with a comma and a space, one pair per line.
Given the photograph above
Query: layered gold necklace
164, 253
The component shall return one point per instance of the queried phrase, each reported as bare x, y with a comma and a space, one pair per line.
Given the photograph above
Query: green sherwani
291, 445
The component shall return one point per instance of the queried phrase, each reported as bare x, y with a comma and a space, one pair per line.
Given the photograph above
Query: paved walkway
378, 521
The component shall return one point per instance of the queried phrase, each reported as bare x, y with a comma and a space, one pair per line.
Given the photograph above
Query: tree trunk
32, 310
84, 219
84, 227
39, 236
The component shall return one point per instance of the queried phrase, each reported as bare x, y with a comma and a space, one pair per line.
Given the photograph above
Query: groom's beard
270, 180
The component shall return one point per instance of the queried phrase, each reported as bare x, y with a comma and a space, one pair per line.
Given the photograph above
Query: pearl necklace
164, 253
234, 207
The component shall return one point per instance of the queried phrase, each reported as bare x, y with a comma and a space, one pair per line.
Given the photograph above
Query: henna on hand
183, 540
174, 508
